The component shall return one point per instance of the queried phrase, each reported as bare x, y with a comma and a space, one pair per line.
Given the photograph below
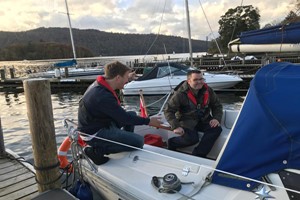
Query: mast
70, 28
189, 31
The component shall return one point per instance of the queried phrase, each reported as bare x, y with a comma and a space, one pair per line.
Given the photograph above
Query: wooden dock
80, 85
17, 179
57, 85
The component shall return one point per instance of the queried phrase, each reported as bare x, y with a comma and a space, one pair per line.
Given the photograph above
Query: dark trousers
122, 135
191, 137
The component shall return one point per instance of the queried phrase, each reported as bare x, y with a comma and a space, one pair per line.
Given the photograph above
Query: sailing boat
259, 159
62, 68
280, 38
166, 76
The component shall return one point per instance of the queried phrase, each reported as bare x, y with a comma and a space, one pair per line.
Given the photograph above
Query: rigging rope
157, 100
157, 31
211, 31
234, 27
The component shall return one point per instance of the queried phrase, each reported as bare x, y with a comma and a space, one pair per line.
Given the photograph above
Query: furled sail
280, 38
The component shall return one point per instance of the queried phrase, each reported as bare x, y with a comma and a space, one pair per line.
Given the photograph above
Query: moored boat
166, 76
91, 73
280, 38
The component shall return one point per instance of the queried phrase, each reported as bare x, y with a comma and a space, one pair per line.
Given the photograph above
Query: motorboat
258, 156
164, 77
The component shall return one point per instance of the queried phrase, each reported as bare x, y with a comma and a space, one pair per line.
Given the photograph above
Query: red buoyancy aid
101, 80
205, 97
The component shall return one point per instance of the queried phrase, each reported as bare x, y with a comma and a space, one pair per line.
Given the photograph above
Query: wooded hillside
53, 43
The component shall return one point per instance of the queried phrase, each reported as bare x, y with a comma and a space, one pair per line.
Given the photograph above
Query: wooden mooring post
2, 147
40, 116
2, 74
12, 72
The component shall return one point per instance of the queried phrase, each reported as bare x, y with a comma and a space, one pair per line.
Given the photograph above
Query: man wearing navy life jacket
194, 107
100, 115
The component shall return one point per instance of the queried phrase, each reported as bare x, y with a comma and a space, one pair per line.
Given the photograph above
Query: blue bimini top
266, 135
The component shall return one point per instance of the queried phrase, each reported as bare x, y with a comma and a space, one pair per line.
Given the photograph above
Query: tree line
55, 43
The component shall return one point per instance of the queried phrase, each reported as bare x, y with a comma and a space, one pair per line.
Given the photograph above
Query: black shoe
97, 159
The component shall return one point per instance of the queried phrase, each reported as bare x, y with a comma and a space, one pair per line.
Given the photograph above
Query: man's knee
138, 141
215, 132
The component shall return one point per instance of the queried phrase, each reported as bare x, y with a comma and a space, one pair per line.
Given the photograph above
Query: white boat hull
128, 175
74, 73
166, 84
262, 48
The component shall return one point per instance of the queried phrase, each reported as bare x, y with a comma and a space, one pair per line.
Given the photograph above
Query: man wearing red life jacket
101, 115
194, 107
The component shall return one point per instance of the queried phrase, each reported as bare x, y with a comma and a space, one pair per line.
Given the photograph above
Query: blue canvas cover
266, 136
68, 63
281, 34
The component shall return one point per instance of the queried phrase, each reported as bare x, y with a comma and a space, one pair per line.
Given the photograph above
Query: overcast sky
132, 16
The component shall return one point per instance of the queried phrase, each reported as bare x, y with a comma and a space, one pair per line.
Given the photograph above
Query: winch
170, 183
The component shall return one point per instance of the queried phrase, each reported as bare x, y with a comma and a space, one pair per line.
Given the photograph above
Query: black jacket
181, 112
98, 109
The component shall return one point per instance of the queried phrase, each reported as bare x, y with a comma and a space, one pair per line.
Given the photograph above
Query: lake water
15, 123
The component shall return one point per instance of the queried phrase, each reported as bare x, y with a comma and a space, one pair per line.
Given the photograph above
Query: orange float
63, 151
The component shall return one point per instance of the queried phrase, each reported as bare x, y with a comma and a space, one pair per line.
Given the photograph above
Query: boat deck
16, 180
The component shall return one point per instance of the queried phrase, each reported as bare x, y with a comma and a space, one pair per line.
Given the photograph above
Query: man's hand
214, 123
179, 131
131, 76
155, 121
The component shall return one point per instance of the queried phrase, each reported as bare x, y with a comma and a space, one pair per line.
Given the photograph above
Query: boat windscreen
164, 69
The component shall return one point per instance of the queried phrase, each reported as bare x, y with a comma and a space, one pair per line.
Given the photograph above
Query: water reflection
15, 122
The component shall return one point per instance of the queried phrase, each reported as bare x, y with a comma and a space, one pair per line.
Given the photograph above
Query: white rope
157, 100
204, 166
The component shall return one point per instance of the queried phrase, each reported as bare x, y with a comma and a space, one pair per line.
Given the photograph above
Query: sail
266, 135
280, 38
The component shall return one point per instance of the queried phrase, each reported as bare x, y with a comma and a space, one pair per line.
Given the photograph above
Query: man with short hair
194, 107
101, 115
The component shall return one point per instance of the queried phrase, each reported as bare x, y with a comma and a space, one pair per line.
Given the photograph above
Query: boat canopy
68, 63
266, 135
165, 69
280, 34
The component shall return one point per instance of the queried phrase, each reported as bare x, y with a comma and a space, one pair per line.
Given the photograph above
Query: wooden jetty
17, 178
244, 68
80, 85
18, 181
57, 85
